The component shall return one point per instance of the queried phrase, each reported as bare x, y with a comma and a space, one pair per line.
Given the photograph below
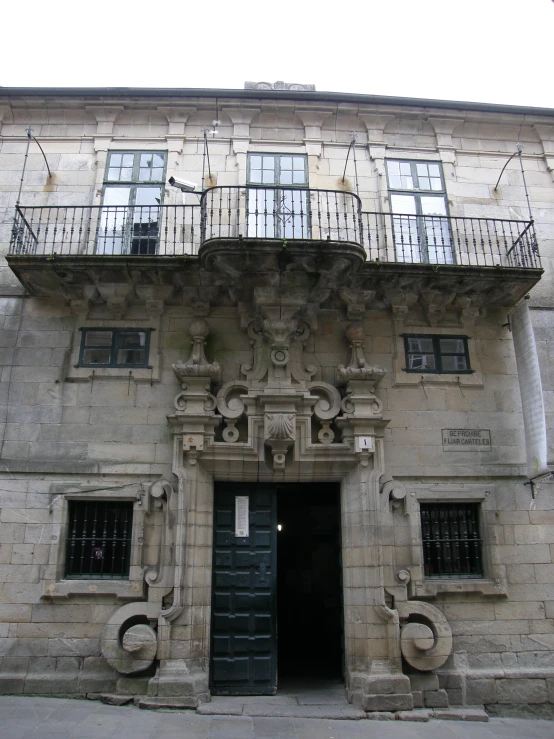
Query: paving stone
468, 713
380, 716
412, 716
322, 712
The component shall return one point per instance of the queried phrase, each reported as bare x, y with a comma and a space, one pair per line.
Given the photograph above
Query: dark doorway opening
309, 587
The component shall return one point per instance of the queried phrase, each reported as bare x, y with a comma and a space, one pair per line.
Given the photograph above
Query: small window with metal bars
452, 545
99, 539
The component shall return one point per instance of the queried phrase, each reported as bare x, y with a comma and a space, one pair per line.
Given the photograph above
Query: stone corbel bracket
394, 492
129, 643
197, 365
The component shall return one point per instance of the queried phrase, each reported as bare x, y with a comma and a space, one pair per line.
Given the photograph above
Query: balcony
54, 250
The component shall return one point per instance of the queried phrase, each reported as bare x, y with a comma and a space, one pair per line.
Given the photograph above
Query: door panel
244, 594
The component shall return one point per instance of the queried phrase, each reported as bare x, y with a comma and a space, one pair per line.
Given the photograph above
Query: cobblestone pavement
59, 718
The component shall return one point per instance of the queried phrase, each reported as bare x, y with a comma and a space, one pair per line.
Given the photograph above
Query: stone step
234, 707
175, 704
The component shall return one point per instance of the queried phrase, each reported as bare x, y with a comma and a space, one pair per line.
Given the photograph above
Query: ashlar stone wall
62, 430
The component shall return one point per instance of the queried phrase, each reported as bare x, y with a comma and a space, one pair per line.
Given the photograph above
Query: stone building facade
268, 419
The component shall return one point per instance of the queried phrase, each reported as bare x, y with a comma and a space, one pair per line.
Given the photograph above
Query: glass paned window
282, 210
452, 545
114, 348
99, 539
438, 354
129, 220
420, 223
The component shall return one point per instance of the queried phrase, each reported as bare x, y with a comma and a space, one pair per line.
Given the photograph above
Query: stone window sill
121, 589
412, 379
434, 588
138, 374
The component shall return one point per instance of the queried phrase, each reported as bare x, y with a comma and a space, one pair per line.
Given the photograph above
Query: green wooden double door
247, 618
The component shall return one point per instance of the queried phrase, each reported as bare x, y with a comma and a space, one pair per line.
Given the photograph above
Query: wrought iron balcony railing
277, 214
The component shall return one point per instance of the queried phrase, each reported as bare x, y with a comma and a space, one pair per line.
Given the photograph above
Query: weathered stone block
480, 690
385, 684
73, 647
391, 702
132, 685
11, 684
53, 676
24, 647
15, 613
418, 698
455, 696
518, 690
435, 698
424, 681
96, 676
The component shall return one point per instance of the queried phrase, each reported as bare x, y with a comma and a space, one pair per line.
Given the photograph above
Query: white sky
497, 51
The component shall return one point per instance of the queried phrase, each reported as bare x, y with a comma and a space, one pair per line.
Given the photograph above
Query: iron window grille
99, 539
437, 354
118, 347
452, 545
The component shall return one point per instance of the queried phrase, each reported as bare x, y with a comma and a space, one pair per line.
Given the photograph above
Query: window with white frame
436, 354
116, 347
420, 221
129, 220
277, 203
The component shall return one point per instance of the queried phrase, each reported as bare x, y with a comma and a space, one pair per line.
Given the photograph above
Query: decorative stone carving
230, 432
126, 645
197, 364
160, 493
278, 86
328, 404
394, 491
280, 435
278, 345
326, 435
357, 369
426, 643
280, 426
356, 302
228, 400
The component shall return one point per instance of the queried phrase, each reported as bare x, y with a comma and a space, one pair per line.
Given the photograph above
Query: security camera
183, 185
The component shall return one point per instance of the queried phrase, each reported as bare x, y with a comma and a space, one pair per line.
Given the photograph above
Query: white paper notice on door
241, 515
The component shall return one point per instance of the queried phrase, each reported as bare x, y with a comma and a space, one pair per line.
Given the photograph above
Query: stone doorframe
271, 418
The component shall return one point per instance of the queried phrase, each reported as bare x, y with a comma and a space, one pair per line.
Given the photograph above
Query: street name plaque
466, 440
